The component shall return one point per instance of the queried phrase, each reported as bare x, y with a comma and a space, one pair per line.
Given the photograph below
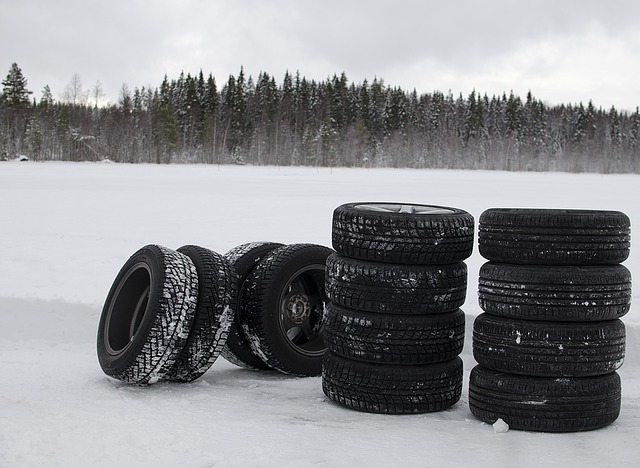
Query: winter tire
402, 234
394, 339
243, 260
395, 289
282, 308
554, 237
555, 293
379, 388
544, 404
147, 315
548, 349
214, 314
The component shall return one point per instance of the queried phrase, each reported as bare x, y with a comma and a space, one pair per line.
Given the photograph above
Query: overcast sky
564, 51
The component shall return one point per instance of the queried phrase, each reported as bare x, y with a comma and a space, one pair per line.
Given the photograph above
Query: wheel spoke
307, 330
315, 300
430, 210
405, 209
296, 287
294, 333
380, 208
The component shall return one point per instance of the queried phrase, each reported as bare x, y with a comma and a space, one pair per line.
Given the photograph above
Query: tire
550, 293
243, 260
377, 388
395, 289
147, 315
215, 310
282, 309
402, 234
548, 349
394, 339
554, 237
544, 404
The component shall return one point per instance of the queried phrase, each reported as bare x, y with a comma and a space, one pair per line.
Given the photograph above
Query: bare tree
97, 93
125, 96
74, 93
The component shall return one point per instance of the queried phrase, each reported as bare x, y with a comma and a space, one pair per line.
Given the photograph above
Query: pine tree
634, 133
614, 131
15, 93
514, 114
375, 121
47, 97
210, 108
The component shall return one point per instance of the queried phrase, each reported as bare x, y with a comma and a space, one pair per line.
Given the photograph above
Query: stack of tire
393, 325
551, 338
171, 313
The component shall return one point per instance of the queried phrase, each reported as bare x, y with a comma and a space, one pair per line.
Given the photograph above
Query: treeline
335, 122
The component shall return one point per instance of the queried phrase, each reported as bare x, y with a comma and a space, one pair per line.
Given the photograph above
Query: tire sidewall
113, 363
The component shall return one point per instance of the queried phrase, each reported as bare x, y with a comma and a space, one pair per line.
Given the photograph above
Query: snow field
68, 228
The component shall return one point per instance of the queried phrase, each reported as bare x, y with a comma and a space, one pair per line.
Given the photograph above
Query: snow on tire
394, 339
544, 404
387, 389
214, 314
282, 308
243, 260
147, 316
555, 293
554, 237
402, 234
548, 349
395, 289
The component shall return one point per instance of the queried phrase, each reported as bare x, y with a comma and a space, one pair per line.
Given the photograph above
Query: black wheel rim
127, 309
404, 208
301, 311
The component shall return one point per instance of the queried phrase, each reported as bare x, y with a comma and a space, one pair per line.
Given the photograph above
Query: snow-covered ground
65, 231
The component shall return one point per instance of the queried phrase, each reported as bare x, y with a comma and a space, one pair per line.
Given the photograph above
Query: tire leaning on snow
147, 316
214, 314
282, 308
243, 259
402, 234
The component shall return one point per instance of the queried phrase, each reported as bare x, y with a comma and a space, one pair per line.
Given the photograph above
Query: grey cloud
137, 41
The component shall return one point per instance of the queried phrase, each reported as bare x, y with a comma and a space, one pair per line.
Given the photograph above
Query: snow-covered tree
14, 89
47, 96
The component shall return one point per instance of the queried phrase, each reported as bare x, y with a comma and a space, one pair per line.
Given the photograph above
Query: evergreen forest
298, 121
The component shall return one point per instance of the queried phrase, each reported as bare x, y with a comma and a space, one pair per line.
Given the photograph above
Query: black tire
554, 237
544, 404
402, 234
282, 308
243, 260
555, 293
379, 388
548, 349
215, 311
395, 289
147, 315
394, 339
